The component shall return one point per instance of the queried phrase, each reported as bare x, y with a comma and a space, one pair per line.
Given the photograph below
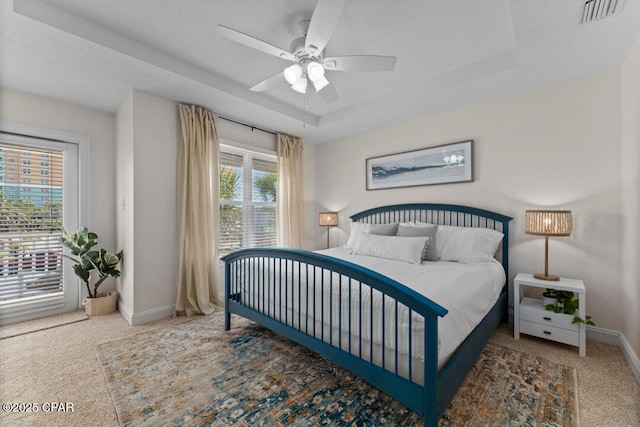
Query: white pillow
407, 249
380, 229
471, 245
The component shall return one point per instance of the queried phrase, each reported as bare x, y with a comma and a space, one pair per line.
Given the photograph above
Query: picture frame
442, 164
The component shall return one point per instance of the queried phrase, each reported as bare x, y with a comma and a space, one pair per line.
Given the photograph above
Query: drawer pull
547, 318
547, 332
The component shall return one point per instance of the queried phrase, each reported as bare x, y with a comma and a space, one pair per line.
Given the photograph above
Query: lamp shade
320, 83
328, 219
315, 71
548, 223
301, 85
293, 73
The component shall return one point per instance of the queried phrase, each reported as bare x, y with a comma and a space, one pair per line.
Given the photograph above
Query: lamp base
549, 277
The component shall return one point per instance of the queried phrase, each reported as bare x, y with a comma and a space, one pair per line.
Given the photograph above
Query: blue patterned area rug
195, 374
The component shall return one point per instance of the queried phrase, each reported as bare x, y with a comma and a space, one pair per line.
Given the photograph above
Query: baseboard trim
631, 356
125, 312
135, 319
152, 315
605, 336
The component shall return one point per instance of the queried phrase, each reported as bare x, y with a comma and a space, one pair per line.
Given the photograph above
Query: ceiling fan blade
268, 83
329, 94
323, 22
360, 63
254, 43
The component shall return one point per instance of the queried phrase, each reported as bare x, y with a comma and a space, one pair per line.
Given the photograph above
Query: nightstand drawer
533, 311
549, 332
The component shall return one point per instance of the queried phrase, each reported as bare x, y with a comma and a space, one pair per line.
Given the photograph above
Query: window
247, 199
30, 229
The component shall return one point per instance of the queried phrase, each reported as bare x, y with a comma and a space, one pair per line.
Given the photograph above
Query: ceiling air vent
595, 10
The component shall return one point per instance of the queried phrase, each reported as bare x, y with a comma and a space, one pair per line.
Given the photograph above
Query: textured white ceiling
450, 53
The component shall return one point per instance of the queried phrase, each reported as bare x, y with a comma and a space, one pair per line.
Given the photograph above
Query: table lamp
548, 223
328, 219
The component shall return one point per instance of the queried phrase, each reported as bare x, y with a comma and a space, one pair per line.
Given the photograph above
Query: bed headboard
442, 214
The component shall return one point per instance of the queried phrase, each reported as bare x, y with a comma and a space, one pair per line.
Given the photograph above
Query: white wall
124, 210
630, 176
556, 147
22, 108
148, 135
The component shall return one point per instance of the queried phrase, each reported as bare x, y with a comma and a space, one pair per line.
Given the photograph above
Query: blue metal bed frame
253, 289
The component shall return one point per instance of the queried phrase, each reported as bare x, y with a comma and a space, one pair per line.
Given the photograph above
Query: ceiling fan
308, 53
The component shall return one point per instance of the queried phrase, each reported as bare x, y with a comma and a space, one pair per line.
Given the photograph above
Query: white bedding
467, 291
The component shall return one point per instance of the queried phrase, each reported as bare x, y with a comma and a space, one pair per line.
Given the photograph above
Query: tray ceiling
450, 53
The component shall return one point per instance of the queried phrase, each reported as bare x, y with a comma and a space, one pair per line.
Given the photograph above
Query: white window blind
247, 199
30, 222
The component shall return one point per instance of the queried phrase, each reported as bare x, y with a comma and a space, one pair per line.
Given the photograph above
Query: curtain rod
249, 126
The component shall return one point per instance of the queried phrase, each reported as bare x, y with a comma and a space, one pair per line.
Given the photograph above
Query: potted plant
89, 262
549, 297
566, 304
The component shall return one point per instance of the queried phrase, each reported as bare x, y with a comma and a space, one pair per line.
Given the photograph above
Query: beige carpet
30, 326
60, 365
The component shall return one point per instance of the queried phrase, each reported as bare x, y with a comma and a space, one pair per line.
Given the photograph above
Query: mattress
350, 315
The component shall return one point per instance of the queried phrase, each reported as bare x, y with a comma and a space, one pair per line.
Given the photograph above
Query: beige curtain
289, 205
198, 211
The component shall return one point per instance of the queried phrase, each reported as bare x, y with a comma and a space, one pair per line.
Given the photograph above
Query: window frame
247, 204
21, 133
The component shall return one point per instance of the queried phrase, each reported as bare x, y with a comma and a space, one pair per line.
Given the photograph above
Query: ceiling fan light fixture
321, 83
300, 86
315, 71
293, 74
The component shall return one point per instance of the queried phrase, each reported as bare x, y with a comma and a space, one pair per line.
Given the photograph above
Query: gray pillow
430, 253
383, 229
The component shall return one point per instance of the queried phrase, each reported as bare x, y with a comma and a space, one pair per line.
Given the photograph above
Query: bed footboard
375, 327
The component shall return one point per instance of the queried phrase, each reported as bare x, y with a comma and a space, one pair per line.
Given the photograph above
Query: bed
378, 309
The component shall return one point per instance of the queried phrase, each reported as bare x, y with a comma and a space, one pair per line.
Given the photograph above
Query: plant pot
101, 305
549, 300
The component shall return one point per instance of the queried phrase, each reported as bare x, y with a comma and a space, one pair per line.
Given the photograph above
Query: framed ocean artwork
442, 164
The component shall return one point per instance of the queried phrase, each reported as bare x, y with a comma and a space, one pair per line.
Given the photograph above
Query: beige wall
630, 176
123, 204
156, 136
148, 135
555, 147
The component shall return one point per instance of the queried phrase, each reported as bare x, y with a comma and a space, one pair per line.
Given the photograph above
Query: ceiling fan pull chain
304, 108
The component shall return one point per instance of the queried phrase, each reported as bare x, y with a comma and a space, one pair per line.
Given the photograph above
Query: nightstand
531, 318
